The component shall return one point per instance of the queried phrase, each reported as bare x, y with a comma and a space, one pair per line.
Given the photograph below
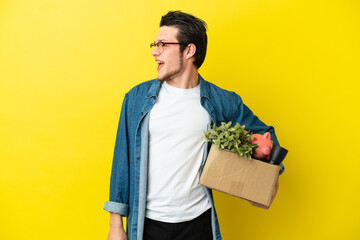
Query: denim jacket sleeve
119, 181
245, 116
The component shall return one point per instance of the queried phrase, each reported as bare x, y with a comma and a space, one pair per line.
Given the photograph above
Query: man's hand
116, 231
272, 199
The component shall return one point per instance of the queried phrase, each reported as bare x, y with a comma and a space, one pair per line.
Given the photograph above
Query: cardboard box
249, 179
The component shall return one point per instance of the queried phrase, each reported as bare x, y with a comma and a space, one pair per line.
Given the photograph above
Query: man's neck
188, 79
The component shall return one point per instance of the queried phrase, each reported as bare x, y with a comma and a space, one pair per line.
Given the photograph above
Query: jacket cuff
116, 207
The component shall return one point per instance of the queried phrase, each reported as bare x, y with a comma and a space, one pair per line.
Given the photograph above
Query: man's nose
155, 51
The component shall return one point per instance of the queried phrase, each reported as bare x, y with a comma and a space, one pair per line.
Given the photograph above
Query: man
158, 156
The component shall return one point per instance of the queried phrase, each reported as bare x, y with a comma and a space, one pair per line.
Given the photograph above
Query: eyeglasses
161, 45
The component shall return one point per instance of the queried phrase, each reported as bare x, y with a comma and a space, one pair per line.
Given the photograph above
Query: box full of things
245, 177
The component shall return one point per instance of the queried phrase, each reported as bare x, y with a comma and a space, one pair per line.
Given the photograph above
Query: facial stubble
170, 75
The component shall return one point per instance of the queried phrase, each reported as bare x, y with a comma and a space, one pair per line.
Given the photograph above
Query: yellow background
65, 66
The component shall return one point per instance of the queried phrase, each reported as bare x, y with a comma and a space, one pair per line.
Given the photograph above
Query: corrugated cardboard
249, 179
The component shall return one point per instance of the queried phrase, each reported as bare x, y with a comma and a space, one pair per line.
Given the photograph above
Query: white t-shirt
176, 124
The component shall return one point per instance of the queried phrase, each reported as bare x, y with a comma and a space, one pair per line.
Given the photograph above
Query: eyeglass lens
159, 45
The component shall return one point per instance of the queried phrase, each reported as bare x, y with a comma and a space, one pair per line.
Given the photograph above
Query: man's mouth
160, 64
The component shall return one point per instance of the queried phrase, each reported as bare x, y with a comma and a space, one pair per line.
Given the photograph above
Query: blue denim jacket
129, 169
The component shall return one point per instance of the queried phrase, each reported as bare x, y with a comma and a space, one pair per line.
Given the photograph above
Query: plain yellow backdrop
65, 66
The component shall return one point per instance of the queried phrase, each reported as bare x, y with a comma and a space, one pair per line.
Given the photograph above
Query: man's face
170, 62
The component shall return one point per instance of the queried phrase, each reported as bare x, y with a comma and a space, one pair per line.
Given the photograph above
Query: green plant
233, 138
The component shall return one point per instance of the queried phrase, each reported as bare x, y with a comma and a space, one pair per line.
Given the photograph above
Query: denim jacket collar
204, 88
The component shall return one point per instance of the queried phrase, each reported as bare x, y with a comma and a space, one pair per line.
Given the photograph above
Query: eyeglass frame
153, 44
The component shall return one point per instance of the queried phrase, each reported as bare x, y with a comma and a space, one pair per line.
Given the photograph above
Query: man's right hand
116, 231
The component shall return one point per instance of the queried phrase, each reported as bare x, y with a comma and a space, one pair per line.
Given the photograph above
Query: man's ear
190, 51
